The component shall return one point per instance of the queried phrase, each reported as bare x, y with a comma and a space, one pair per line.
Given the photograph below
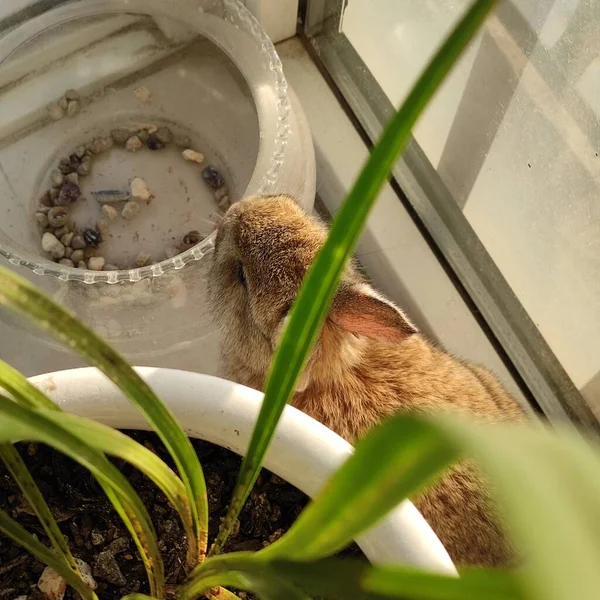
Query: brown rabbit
370, 360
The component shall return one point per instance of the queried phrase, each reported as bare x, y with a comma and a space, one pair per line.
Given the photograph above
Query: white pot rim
303, 453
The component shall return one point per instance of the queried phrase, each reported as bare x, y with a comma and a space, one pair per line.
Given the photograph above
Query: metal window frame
429, 201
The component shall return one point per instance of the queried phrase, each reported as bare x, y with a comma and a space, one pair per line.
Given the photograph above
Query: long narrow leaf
352, 579
410, 454
18, 423
18, 294
317, 292
109, 441
21, 536
20, 473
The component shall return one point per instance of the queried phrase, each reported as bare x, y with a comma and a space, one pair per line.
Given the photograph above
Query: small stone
154, 143
191, 238
65, 166
69, 193
68, 251
81, 265
212, 177
63, 103
52, 585
86, 573
171, 251
102, 227
193, 156
107, 568
111, 196
133, 144
80, 152
42, 219
143, 94
130, 210
111, 268
45, 199
55, 112
60, 231
89, 252
72, 95
110, 212
118, 545
73, 178
53, 195
77, 256
120, 136
91, 237
140, 191
143, 135
66, 262
51, 244
85, 167
96, 263
75, 161
77, 243
66, 239
221, 193
97, 537
57, 216
73, 108
56, 178
225, 204
143, 259
101, 144
164, 135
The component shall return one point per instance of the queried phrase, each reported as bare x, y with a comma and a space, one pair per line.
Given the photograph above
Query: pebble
73, 178
67, 262
89, 252
111, 196
143, 94
212, 177
42, 219
192, 156
101, 144
81, 265
54, 195
45, 199
130, 210
67, 238
69, 193
97, 537
60, 231
120, 136
191, 238
44, 209
143, 259
55, 112
77, 256
140, 191
73, 108
52, 245
80, 152
110, 212
85, 167
65, 166
164, 135
143, 135
221, 192
86, 573
57, 216
154, 143
77, 243
56, 178
68, 251
52, 585
225, 204
133, 144
91, 237
107, 568
72, 95
96, 263
63, 103
102, 227
171, 251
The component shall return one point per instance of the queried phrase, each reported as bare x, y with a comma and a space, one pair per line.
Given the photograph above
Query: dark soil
96, 534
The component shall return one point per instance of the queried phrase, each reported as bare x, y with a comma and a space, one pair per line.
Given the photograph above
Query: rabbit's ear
359, 309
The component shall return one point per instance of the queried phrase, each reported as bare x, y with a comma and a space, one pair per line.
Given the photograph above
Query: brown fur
370, 361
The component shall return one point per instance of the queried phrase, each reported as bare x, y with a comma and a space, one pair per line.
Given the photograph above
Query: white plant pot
304, 452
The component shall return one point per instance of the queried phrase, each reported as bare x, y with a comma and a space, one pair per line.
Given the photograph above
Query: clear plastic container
206, 70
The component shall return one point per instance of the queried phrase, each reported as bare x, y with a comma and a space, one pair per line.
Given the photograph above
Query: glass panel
506, 158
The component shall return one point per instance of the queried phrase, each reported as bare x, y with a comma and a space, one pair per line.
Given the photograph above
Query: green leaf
20, 473
350, 579
19, 423
21, 536
366, 488
109, 441
19, 295
318, 290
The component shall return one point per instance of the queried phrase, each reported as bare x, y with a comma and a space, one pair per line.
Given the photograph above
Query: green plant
548, 482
